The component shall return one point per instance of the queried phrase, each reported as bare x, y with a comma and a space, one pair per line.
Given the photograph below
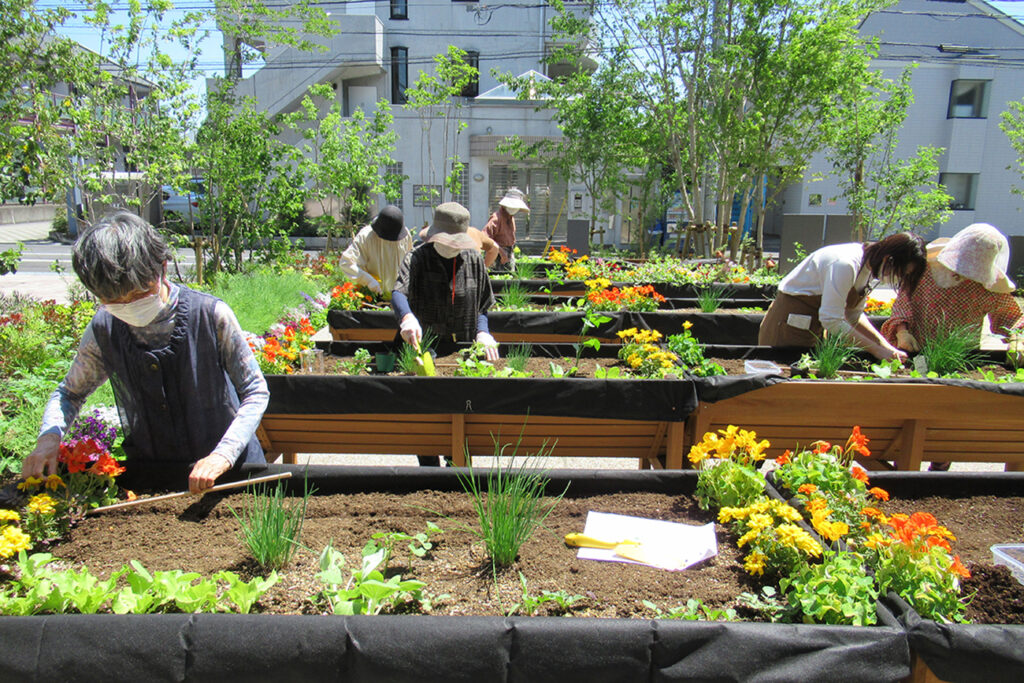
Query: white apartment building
379, 51
970, 59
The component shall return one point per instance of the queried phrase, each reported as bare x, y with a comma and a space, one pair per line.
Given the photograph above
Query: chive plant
511, 506
271, 527
514, 296
831, 353
952, 349
525, 270
517, 356
709, 299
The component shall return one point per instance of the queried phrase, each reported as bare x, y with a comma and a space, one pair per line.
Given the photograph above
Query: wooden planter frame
656, 444
907, 422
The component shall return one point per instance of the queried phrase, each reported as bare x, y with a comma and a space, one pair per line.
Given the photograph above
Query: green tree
885, 194
344, 159
438, 97
1011, 122
602, 128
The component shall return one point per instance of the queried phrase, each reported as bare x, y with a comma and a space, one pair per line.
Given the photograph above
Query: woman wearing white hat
502, 225
965, 279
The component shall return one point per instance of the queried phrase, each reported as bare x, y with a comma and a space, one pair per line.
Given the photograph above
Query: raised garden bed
471, 648
742, 291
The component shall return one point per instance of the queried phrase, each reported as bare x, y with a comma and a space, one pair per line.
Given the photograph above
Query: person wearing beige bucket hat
443, 286
965, 280
501, 227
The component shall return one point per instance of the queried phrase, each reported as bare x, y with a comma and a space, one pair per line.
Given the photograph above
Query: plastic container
761, 367
1012, 556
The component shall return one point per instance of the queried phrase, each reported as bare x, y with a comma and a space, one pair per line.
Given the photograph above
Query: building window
462, 196
426, 195
968, 100
472, 88
399, 74
962, 187
399, 9
395, 170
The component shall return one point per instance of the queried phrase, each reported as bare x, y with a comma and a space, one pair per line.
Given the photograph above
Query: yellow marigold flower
53, 481
9, 516
12, 541
876, 540
792, 536
631, 332
748, 537
687, 324
30, 483
41, 504
816, 504
759, 521
754, 563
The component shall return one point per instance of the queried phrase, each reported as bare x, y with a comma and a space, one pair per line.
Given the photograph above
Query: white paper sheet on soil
668, 544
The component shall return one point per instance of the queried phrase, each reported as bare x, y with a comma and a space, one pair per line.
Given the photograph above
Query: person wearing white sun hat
965, 279
501, 227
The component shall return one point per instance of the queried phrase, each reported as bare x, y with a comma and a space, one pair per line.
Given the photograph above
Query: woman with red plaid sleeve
966, 278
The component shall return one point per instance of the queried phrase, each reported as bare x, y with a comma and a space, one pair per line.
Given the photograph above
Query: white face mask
446, 251
138, 313
513, 211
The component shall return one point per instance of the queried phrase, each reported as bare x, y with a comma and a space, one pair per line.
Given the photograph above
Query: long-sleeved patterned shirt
930, 308
87, 373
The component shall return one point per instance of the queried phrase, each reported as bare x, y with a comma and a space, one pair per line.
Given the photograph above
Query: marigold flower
53, 482
754, 563
106, 466
13, 540
816, 505
41, 504
820, 447
879, 493
807, 489
784, 458
30, 483
9, 516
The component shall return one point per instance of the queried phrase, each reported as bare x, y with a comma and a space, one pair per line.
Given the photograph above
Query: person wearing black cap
376, 252
443, 285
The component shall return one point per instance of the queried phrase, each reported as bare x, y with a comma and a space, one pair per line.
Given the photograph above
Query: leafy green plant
529, 604
694, 610
709, 299
591, 321
406, 359
690, 353
768, 603
418, 544
952, 349
828, 355
607, 373
244, 594
837, 591
365, 590
727, 461
512, 505
258, 297
269, 527
359, 364
525, 269
9, 259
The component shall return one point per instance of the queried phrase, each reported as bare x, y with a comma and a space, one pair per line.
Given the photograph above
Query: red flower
784, 458
106, 466
858, 442
859, 474
821, 447
80, 454
958, 568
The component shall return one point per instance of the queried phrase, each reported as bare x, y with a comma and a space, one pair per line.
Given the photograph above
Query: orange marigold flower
817, 505
807, 488
130, 495
873, 513
106, 466
879, 493
784, 458
859, 474
958, 568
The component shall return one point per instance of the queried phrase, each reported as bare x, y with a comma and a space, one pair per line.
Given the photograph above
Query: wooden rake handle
218, 487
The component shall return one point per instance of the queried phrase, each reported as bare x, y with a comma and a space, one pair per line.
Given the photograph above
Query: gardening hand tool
424, 363
218, 487
649, 554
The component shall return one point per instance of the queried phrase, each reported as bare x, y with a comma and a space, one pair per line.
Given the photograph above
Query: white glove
489, 344
410, 330
368, 281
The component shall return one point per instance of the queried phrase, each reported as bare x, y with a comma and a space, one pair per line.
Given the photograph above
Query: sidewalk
11, 233
42, 286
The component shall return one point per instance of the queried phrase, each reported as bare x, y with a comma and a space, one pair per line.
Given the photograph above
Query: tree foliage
1011, 122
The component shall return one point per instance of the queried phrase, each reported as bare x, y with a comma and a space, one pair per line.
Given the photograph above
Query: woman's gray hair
118, 255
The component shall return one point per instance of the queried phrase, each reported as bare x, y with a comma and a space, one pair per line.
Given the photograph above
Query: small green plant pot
385, 362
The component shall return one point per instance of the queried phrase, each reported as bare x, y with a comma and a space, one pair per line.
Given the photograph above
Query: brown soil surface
202, 536
735, 367
979, 522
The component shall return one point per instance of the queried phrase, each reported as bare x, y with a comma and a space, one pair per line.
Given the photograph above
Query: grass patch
514, 296
517, 356
258, 298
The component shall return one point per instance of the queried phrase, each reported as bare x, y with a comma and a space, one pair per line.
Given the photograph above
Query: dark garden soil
979, 522
202, 536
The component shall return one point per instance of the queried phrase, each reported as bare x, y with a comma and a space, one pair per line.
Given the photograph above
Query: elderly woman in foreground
187, 386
